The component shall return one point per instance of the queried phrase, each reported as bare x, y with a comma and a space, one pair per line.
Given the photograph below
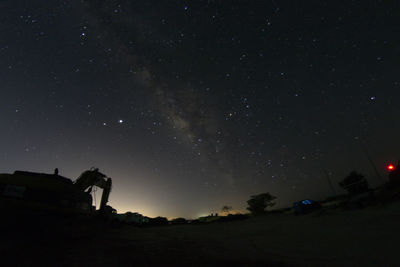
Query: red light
390, 167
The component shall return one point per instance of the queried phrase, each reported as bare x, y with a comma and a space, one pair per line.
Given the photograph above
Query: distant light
390, 167
372, 97
120, 121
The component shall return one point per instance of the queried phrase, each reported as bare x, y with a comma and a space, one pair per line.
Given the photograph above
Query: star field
192, 105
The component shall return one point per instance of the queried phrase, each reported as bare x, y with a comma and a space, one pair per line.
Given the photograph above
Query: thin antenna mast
330, 182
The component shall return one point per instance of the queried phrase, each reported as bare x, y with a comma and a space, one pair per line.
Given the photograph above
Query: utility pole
330, 182
372, 164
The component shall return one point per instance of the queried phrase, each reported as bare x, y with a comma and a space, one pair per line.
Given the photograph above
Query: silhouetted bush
258, 203
179, 221
208, 219
355, 183
158, 221
233, 217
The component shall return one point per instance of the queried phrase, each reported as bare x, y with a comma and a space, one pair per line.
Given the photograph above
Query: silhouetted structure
394, 175
305, 206
26, 191
132, 218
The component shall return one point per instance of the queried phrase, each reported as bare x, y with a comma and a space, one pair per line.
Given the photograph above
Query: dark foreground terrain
367, 237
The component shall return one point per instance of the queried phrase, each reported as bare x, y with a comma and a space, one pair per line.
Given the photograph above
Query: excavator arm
91, 178
106, 194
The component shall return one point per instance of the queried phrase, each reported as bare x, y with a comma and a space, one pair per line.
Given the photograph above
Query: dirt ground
367, 237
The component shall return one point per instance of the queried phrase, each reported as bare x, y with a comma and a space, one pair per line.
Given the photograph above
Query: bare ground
367, 237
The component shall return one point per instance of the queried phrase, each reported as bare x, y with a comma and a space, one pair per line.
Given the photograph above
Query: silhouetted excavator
91, 178
30, 191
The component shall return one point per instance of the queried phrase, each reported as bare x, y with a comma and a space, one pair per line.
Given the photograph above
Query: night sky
192, 105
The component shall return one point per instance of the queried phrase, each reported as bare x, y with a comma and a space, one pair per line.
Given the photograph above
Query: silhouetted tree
355, 183
258, 203
226, 209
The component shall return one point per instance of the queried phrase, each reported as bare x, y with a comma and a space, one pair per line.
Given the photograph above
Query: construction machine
25, 191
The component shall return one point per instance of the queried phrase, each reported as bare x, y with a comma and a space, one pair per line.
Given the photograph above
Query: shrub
258, 203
